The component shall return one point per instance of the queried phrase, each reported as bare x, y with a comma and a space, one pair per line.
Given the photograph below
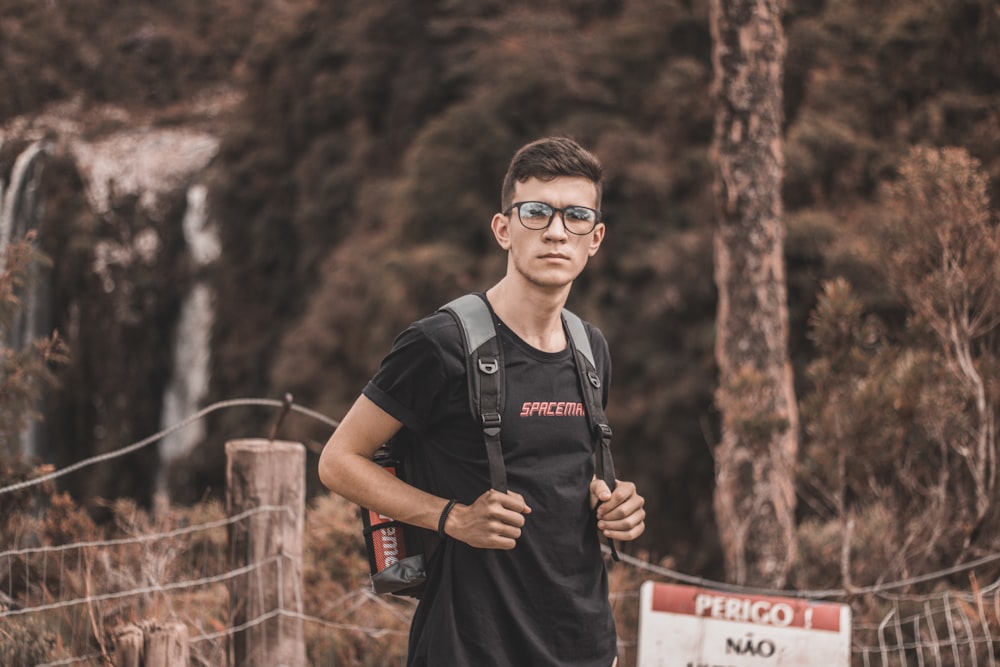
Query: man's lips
554, 255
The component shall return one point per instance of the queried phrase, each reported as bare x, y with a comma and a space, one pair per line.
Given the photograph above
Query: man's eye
580, 214
535, 211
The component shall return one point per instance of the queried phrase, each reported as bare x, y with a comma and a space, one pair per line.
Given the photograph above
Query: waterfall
191, 353
151, 164
18, 201
19, 214
126, 241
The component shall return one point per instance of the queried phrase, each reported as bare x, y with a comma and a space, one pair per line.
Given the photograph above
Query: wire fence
61, 600
86, 589
80, 593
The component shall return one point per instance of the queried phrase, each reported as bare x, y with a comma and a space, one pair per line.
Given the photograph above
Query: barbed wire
145, 442
374, 633
149, 537
369, 631
810, 594
660, 571
171, 588
145, 590
72, 661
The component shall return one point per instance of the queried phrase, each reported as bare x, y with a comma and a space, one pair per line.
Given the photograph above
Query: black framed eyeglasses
538, 215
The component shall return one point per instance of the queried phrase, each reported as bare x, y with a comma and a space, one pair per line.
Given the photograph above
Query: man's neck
535, 315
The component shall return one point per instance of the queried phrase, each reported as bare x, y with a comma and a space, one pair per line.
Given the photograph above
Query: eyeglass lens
539, 215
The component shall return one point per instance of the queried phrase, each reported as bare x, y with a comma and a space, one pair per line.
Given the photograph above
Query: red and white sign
688, 626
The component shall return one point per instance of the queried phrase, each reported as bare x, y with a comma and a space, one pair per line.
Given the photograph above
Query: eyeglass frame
561, 211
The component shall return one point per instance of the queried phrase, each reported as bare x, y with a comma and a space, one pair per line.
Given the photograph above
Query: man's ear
597, 236
501, 230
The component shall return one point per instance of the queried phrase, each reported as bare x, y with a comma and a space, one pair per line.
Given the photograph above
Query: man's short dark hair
549, 158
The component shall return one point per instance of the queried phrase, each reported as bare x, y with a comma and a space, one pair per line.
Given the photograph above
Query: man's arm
346, 467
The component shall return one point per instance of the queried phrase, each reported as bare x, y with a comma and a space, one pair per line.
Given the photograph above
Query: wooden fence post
152, 644
128, 646
268, 545
167, 645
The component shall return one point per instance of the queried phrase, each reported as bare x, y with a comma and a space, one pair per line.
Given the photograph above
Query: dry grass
345, 625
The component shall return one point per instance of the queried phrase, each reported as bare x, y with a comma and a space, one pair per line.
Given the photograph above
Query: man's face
552, 257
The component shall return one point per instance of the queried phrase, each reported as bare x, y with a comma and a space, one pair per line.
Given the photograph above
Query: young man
520, 579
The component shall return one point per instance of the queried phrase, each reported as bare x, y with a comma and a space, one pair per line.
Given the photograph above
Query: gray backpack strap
578, 336
590, 387
484, 368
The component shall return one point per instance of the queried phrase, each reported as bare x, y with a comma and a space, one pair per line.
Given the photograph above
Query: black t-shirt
545, 602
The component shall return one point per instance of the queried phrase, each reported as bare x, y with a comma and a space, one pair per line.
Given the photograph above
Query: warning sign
688, 626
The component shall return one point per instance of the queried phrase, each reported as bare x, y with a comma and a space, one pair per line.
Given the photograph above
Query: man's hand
494, 521
620, 515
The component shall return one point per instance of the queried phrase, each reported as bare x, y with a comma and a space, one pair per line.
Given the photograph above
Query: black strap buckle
594, 379
491, 419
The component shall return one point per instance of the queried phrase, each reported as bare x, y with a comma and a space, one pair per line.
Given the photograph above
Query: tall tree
942, 252
754, 496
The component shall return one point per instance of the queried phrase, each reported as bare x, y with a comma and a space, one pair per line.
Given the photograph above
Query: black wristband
444, 517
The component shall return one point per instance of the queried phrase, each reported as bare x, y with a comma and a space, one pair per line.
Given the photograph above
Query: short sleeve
414, 380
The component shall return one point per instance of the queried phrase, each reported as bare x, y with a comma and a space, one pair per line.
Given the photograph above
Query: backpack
398, 552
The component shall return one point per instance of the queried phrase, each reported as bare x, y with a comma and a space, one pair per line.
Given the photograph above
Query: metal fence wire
55, 598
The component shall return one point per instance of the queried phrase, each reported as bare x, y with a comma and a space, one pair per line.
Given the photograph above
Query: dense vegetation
357, 179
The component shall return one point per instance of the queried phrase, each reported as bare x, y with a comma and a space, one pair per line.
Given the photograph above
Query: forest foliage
356, 181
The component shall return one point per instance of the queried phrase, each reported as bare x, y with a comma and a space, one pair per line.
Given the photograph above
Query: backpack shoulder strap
590, 387
485, 373
578, 336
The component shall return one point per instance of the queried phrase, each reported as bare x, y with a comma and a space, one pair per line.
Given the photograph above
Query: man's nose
551, 227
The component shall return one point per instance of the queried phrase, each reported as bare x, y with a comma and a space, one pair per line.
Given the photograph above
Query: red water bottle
384, 536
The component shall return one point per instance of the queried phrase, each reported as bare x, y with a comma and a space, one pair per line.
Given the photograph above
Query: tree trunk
754, 496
